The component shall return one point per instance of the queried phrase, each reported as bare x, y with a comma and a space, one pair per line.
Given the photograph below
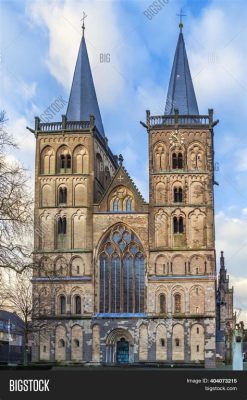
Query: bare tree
34, 308
16, 212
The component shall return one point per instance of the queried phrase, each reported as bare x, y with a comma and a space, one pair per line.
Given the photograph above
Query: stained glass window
122, 272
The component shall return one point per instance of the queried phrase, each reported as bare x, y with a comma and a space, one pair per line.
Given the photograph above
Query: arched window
77, 301
122, 272
174, 161
78, 269
162, 304
128, 205
62, 304
177, 195
62, 195
115, 205
177, 161
177, 342
162, 342
175, 225
61, 226
61, 343
65, 162
177, 300
180, 225
180, 161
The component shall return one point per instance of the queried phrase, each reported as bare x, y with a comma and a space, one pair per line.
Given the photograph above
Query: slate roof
181, 94
83, 100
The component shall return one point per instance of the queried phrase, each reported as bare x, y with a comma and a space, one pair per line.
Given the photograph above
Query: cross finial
83, 22
180, 19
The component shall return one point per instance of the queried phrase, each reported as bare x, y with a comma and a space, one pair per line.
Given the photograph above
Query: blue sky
39, 44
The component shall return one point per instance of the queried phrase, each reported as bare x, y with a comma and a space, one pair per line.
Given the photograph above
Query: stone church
120, 280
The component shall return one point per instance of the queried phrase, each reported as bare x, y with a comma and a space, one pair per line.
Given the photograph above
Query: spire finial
180, 19
83, 22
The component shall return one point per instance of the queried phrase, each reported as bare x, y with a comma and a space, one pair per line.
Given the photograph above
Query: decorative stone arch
178, 290
76, 343
178, 264
112, 338
197, 299
78, 229
197, 264
159, 157
64, 152
161, 342
60, 343
160, 193
198, 228
77, 291
46, 195
160, 291
161, 265
161, 228
80, 160
196, 156
178, 338
61, 266
197, 342
46, 231
47, 160
197, 192
62, 185
77, 266
46, 266
80, 194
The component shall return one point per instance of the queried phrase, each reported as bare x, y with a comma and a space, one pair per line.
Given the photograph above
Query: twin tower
120, 280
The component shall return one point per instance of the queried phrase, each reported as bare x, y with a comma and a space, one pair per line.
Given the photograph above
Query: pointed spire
222, 260
181, 94
83, 100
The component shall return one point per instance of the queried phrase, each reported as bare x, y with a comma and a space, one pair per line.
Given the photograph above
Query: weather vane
181, 22
83, 23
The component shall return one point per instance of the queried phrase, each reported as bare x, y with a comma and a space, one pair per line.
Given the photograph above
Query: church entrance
122, 351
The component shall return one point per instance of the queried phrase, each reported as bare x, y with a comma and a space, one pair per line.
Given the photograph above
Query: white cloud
231, 237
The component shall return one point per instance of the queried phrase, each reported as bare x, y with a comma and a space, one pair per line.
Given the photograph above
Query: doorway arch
119, 347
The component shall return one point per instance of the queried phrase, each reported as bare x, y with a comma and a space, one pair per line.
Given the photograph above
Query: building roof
181, 94
16, 323
83, 100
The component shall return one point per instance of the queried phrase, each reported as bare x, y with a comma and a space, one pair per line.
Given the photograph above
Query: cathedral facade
120, 280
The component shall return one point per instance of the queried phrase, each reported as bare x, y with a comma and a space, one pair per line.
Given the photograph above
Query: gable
122, 195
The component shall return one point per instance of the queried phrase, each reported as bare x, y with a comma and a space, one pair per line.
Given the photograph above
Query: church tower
181, 226
120, 280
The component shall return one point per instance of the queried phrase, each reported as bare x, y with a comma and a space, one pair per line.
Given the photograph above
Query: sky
39, 41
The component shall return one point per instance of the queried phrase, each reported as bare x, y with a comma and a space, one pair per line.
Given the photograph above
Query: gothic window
77, 305
76, 343
62, 304
162, 342
99, 168
121, 200
178, 225
62, 195
197, 348
162, 304
121, 272
177, 300
175, 225
177, 342
128, 205
197, 330
77, 269
115, 205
